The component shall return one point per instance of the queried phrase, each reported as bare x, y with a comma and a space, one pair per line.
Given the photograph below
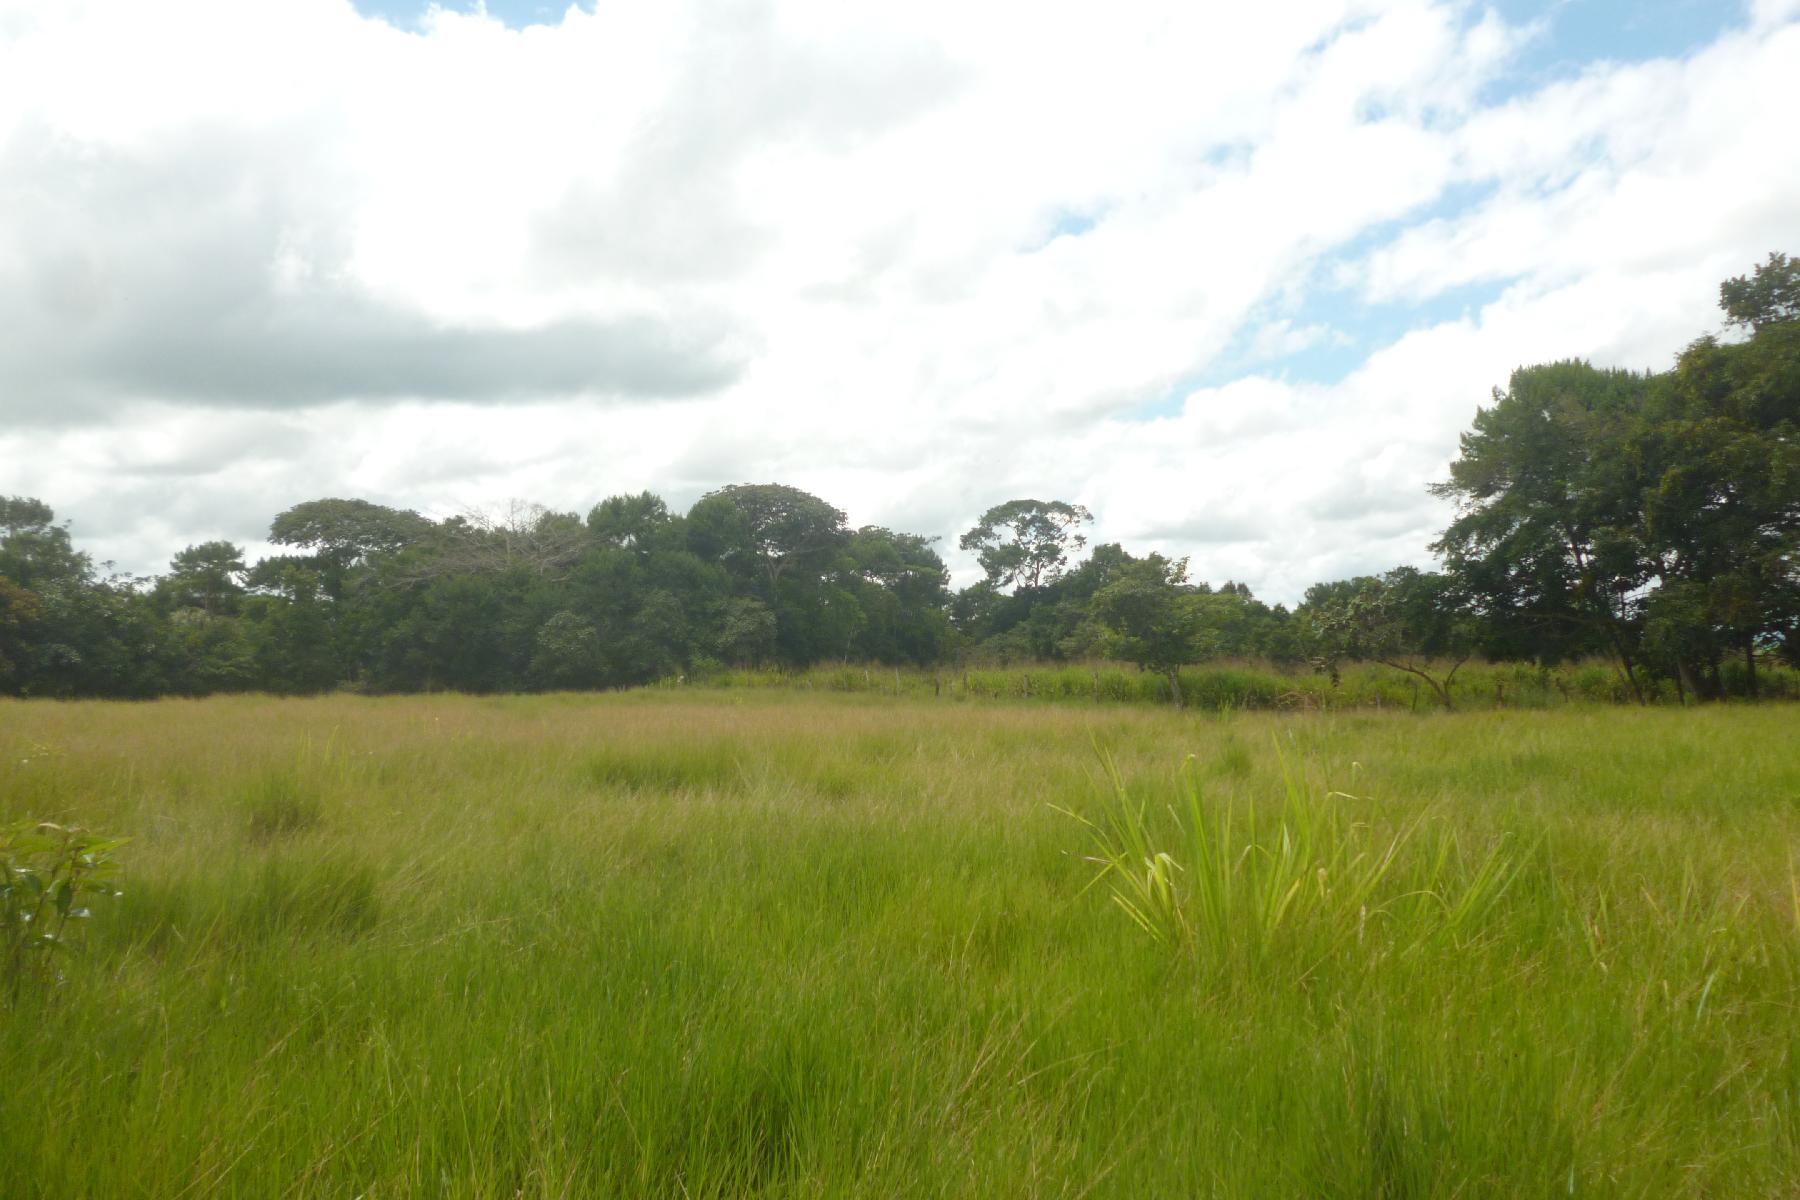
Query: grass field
1253, 685
723, 943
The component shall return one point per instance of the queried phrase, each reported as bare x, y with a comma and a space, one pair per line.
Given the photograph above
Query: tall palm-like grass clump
1229, 887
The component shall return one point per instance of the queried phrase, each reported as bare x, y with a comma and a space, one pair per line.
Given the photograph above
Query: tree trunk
1685, 681
1613, 624
1631, 678
1442, 689
1450, 677
1750, 667
1175, 688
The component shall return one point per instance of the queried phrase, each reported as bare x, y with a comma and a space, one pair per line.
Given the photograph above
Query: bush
48, 873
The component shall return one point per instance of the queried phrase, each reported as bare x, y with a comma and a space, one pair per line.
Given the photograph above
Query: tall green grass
760, 942
1233, 686
1312, 879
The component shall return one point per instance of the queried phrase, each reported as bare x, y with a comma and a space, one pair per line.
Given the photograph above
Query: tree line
1652, 518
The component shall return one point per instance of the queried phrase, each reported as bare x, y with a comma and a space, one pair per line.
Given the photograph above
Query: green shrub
48, 874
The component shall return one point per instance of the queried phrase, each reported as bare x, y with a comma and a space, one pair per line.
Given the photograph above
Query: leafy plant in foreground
47, 874
1220, 885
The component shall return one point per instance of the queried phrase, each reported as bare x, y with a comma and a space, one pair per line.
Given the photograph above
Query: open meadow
766, 942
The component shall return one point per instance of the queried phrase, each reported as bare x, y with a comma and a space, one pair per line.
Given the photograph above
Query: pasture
765, 942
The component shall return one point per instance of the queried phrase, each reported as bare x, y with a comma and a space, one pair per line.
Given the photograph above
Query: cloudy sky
1233, 276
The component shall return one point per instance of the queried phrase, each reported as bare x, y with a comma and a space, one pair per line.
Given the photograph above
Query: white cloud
1768, 13
260, 252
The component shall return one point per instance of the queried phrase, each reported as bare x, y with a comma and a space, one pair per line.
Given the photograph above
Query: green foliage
49, 874
1654, 517
567, 654
630, 522
1721, 503
1314, 884
294, 639
1405, 619
19, 610
96, 637
1026, 543
899, 587
207, 577
346, 534
1062, 620
1152, 619
212, 653
776, 529
746, 631
1770, 295
1545, 532
35, 552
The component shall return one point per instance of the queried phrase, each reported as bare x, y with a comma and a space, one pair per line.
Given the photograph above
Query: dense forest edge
1617, 536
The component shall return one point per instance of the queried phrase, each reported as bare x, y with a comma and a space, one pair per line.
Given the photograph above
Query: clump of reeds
282, 801
1224, 884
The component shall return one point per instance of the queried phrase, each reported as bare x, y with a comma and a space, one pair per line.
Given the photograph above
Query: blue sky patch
1062, 224
1579, 32
1574, 35
516, 14
1352, 330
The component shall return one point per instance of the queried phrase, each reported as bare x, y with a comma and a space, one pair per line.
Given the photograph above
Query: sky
1234, 277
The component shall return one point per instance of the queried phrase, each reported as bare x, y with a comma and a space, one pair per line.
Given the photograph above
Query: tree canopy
1655, 517
1769, 295
1026, 543
1651, 518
